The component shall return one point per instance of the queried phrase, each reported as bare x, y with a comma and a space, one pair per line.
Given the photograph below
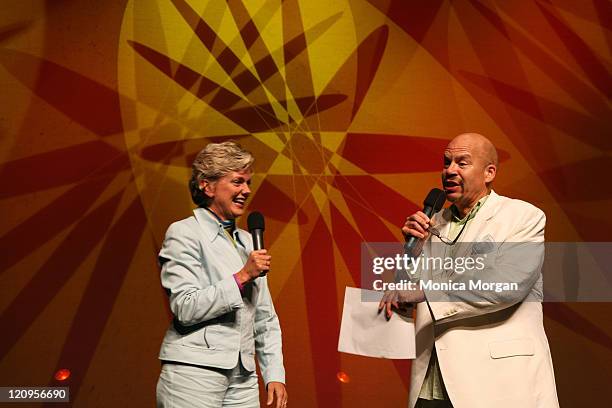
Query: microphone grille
435, 199
255, 221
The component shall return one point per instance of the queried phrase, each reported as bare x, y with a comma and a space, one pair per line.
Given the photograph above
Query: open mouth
451, 185
239, 201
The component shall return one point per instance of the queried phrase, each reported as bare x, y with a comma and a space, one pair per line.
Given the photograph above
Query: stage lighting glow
343, 377
62, 374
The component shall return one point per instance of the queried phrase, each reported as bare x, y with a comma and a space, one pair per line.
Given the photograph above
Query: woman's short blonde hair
213, 162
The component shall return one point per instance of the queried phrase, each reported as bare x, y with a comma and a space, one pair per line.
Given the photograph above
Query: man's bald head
479, 145
470, 166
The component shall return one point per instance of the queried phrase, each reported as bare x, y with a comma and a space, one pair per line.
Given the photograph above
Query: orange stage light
62, 374
343, 377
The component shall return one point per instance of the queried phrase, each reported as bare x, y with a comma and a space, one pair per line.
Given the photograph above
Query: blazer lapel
212, 232
473, 231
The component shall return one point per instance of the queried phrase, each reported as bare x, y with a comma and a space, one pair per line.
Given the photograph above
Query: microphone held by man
431, 205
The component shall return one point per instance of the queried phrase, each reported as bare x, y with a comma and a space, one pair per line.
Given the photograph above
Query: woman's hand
277, 390
258, 262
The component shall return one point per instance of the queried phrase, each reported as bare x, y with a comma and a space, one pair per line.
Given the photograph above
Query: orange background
346, 105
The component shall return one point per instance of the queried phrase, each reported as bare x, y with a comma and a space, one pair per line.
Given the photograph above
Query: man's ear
207, 188
490, 172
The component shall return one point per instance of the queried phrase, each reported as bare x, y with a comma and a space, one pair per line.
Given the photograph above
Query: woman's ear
207, 188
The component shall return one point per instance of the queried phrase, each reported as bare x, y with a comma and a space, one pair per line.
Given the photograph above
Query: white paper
366, 332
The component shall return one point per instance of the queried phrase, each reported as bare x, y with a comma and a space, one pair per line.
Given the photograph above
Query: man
478, 348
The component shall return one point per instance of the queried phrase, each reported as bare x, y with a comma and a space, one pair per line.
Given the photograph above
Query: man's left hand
277, 390
397, 299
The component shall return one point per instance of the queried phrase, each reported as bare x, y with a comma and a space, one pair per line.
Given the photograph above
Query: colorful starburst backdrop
346, 105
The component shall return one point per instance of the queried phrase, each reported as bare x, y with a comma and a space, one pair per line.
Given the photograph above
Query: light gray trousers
181, 386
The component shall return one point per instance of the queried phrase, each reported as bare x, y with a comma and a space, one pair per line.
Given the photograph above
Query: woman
222, 308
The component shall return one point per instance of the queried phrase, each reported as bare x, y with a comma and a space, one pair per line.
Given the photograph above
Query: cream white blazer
492, 352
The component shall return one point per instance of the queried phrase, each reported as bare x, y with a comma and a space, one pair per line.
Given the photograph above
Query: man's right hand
417, 225
258, 262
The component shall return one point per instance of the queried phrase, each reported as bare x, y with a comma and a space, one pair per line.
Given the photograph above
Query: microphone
431, 205
256, 226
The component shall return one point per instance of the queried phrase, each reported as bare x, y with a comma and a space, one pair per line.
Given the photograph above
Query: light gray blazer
214, 323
